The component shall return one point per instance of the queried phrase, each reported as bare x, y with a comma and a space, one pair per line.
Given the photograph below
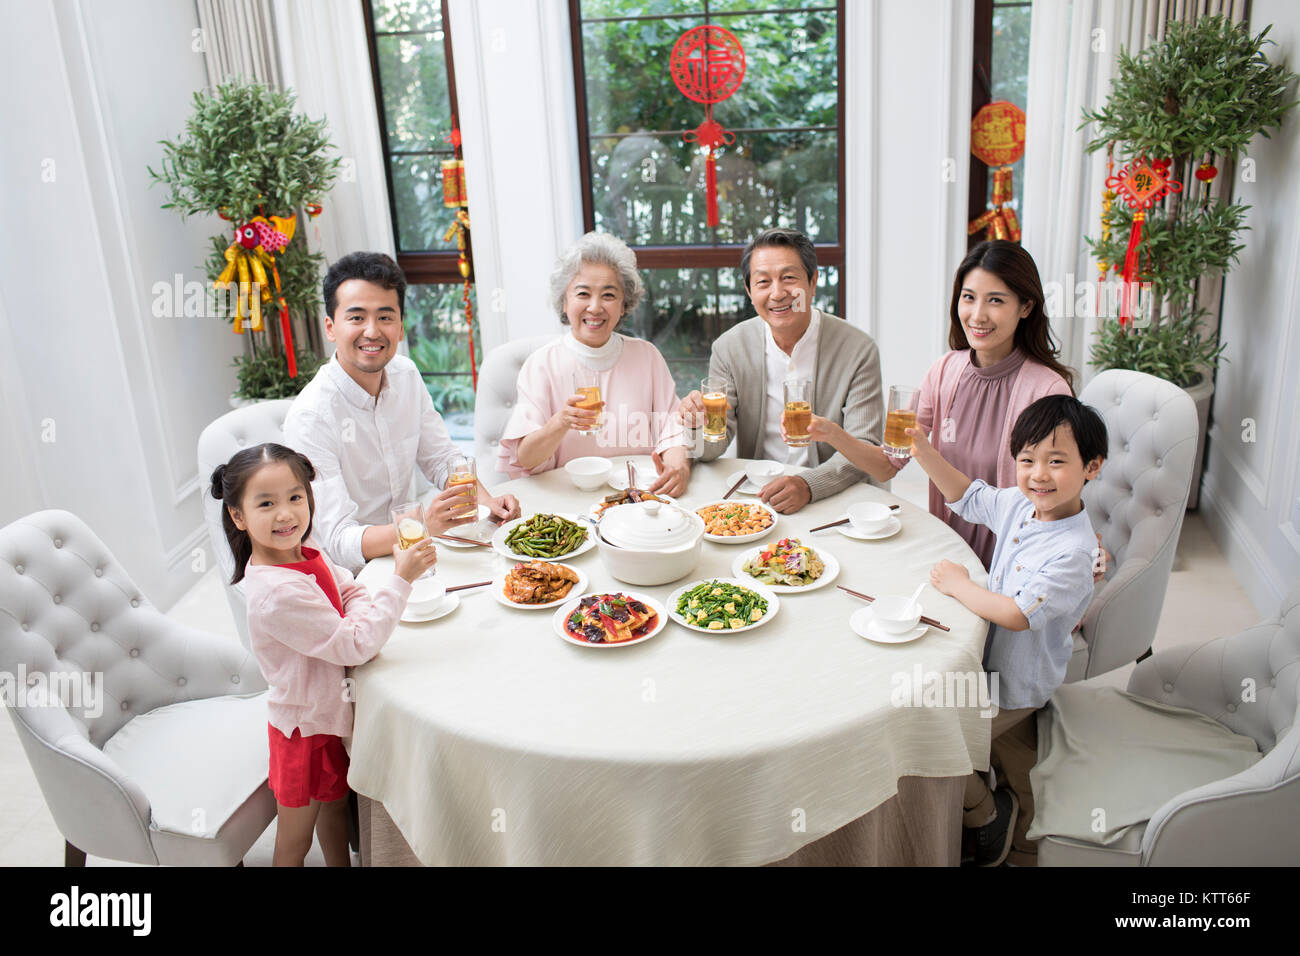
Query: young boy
1040, 583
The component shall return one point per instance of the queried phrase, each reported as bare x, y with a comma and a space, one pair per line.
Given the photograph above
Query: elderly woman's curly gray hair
597, 249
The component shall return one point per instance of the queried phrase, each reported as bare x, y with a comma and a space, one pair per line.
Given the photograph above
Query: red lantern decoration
1141, 184
1206, 171
707, 65
997, 138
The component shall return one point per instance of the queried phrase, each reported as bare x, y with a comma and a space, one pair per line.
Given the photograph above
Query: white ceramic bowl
426, 594
892, 612
869, 516
761, 472
587, 473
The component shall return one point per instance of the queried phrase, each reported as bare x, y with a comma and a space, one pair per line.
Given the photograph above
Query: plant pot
1201, 393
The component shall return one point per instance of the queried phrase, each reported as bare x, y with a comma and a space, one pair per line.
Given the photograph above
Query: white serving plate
498, 590
832, 571
569, 606
741, 538
773, 605
499, 539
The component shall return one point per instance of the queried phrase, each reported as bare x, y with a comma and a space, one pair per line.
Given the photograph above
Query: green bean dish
546, 536
719, 606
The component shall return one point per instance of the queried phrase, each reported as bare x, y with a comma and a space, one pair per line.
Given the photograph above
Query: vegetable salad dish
786, 562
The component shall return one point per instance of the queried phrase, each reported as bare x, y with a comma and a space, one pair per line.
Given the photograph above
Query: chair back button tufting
99, 572
1169, 688
58, 542
135, 602
94, 626
1232, 708
18, 568
235, 679
57, 599
135, 652
180, 682
126, 705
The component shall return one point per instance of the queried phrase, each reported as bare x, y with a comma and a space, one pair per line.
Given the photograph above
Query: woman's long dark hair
1014, 266
230, 480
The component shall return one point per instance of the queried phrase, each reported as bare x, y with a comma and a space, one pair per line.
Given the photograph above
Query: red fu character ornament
1141, 184
707, 64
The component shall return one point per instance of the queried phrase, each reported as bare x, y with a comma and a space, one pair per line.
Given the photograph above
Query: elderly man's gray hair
597, 249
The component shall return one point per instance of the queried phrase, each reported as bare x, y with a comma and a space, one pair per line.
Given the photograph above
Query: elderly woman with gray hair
594, 285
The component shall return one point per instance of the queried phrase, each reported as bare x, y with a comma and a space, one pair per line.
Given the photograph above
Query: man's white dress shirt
366, 450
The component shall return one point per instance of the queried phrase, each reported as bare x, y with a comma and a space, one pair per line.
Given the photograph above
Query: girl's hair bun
218, 479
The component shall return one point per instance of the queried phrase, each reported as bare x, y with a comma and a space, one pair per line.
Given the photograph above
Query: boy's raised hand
947, 575
415, 560
920, 444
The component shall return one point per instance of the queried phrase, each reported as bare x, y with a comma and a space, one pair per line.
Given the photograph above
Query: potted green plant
1197, 97
245, 153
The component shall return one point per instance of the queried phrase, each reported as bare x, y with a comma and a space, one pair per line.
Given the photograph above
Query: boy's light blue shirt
1046, 566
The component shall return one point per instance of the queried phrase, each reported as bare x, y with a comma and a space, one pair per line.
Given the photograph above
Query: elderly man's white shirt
366, 450
800, 363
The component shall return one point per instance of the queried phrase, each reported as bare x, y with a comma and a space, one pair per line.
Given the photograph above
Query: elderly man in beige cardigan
790, 339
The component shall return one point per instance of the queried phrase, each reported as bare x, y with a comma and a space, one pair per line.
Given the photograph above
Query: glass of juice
798, 411
901, 416
713, 390
587, 384
408, 520
461, 473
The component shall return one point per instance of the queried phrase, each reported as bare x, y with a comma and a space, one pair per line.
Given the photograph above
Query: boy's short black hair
372, 267
1040, 419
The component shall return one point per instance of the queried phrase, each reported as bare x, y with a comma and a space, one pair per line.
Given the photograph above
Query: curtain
326, 60
238, 41
1073, 50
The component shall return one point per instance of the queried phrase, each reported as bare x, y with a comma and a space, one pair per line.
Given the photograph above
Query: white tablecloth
490, 740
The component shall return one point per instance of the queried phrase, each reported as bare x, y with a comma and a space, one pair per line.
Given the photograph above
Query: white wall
1251, 491
122, 393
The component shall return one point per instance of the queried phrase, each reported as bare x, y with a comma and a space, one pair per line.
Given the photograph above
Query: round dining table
484, 738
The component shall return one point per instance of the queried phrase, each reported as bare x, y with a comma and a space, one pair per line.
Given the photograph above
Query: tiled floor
1204, 601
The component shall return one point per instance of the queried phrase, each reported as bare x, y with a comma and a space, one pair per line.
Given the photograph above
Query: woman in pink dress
1003, 359
594, 285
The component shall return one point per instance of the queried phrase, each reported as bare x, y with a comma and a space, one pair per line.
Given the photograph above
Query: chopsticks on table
836, 524
452, 537
868, 598
632, 491
732, 490
462, 587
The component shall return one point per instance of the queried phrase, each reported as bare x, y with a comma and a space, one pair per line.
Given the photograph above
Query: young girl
307, 620
1003, 359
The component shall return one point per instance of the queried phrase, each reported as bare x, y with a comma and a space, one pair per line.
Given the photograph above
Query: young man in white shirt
366, 421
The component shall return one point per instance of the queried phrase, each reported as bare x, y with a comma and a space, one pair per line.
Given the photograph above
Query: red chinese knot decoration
997, 138
707, 65
1141, 184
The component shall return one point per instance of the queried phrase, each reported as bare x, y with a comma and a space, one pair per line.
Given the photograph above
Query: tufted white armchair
1137, 505
1248, 682
242, 428
148, 738
498, 381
